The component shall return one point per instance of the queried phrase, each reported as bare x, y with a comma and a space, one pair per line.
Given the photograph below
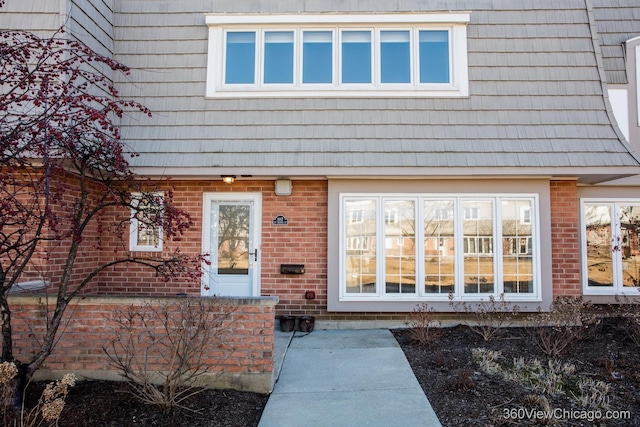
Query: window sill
340, 93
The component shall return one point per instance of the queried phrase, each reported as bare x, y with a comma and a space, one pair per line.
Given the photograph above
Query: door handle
255, 254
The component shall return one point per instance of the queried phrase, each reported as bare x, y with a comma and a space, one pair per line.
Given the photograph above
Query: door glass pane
395, 63
439, 246
360, 258
599, 245
317, 57
241, 58
434, 56
400, 246
278, 57
517, 246
356, 57
629, 246
478, 247
233, 239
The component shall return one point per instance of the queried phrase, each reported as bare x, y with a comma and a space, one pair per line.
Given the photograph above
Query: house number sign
280, 220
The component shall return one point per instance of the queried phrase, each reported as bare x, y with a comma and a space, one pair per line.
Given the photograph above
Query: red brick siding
565, 232
302, 241
245, 346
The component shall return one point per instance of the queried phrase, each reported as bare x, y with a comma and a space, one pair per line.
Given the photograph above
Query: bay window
432, 248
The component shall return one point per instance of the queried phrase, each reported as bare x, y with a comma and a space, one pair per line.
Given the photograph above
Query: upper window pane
434, 56
517, 247
630, 245
356, 57
599, 245
400, 247
317, 57
395, 57
439, 246
360, 234
241, 58
478, 248
278, 57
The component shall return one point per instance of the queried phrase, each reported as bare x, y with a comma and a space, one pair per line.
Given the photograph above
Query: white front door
231, 237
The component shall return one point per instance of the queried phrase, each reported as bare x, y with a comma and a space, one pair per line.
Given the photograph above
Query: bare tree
65, 178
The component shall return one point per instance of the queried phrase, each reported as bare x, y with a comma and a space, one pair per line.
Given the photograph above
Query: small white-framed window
413, 55
145, 231
610, 246
426, 255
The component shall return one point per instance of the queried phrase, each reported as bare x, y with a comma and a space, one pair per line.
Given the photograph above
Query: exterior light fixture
283, 187
228, 179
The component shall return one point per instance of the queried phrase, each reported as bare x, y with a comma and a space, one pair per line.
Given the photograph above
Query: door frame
256, 226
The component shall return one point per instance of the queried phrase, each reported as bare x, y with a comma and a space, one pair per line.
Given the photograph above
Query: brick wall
241, 358
302, 241
565, 244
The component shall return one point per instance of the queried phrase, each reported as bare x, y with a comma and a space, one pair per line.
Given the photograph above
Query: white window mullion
459, 253
381, 249
376, 62
259, 58
297, 57
616, 237
419, 247
497, 248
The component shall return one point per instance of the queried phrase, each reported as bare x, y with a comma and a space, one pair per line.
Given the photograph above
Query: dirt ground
108, 404
460, 392
463, 395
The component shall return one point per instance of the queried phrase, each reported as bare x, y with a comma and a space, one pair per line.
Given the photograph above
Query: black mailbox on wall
292, 268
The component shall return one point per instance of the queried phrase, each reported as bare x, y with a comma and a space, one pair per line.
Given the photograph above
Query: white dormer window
417, 55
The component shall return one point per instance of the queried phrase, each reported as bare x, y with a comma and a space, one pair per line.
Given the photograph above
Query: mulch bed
462, 395
108, 404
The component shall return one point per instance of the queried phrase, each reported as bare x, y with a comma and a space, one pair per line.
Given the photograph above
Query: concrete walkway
346, 378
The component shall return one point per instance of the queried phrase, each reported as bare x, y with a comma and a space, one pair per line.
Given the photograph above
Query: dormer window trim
253, 38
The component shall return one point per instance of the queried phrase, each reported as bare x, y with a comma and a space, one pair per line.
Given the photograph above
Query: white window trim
459, 294
617, 288
133, 229
456, 23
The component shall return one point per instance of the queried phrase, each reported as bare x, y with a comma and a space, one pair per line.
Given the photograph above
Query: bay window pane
356, 57
439, 240
278, 57
629, 245
360, 233
395, 62
599, 245
317, 57
478, 247
517, 246
240, 58
400, 246
434, 56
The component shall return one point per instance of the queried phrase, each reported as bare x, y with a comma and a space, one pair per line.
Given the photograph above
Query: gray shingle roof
617, 21
535, 101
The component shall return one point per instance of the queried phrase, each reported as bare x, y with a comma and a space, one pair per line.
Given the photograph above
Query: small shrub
594, 394
629, 310
161, 350
423, 328
463, 380
541, 403
49, 407
557, 329
487, 360
488, 317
